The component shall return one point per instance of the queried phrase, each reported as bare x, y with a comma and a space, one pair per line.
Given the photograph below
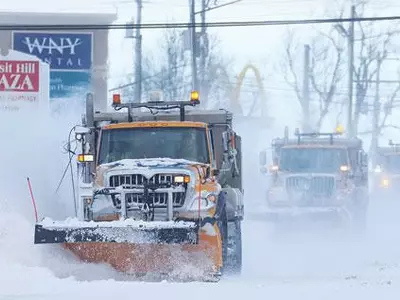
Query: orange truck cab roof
302, 146
156, 124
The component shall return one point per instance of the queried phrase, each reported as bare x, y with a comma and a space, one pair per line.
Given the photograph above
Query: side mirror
360, 158
363, 159
82, 130
225, 141
263, 158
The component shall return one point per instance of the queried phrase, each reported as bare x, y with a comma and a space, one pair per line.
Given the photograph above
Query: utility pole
138, 54
376, 113
306, 89
351, 72
193, 40
203, 52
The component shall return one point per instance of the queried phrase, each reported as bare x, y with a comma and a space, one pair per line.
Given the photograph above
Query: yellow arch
238, 87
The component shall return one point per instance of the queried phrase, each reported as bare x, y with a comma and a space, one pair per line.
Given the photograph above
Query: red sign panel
19, 76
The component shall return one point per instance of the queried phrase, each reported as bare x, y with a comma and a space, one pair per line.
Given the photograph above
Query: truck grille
316, 186
139, 180
159, 200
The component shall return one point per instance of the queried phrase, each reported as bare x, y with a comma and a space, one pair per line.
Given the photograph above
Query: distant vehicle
317, 176
386, 178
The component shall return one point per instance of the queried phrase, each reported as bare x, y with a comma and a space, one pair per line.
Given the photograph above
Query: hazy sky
261, 46
252, 44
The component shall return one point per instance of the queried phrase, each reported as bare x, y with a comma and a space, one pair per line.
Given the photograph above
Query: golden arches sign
236, 92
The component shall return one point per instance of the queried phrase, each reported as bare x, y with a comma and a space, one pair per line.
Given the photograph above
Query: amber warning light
339, 129
85, 158
116, 99
195, 96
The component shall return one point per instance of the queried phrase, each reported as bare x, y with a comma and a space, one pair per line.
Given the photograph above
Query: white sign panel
24, 82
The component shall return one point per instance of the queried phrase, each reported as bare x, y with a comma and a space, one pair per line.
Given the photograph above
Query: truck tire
235, 247
231, 235
222, 223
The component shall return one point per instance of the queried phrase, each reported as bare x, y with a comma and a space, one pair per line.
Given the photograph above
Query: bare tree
172, 75
385, 110
170, 71
325, 73
216, 79
210, 61
163, 72
128, 84
372, 42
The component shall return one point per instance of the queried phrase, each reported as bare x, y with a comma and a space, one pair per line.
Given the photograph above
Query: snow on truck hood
148, 163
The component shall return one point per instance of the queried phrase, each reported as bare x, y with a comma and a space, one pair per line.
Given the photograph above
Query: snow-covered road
312, 265
302, 266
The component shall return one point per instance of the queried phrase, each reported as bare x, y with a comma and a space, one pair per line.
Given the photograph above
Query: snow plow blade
139, 248
124, 234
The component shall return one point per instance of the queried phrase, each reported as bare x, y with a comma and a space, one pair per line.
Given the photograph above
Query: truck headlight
385, 182
87, 201
378, 169
182, 179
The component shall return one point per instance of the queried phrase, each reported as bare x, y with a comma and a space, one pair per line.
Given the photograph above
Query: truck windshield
312, 160
392, 163
160, 142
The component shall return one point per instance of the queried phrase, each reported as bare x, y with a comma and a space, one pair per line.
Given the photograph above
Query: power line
60, 27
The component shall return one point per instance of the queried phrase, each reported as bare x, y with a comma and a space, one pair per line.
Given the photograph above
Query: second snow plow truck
159, 192
318, 176
386, 176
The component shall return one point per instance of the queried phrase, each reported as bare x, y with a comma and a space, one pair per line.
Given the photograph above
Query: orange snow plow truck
159, 191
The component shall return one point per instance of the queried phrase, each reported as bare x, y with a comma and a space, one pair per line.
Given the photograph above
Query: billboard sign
19, 76
69, 54
63, 51
65, 84
24, 82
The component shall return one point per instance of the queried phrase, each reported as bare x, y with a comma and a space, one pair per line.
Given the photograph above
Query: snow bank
32, 146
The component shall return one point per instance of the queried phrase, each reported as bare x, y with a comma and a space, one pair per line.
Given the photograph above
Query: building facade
78, 59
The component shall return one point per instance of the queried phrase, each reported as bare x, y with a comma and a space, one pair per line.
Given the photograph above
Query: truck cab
167, 156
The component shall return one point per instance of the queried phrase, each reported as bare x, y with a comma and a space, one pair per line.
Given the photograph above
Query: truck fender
221, 203
234, 204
